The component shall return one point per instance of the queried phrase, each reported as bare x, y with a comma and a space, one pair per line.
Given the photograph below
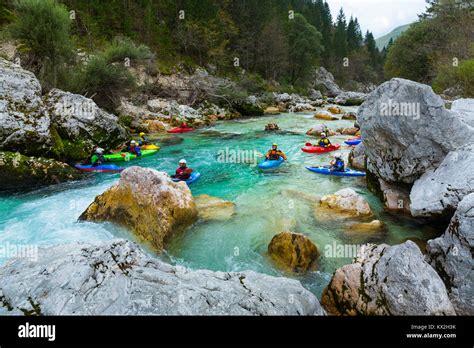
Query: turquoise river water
266, 202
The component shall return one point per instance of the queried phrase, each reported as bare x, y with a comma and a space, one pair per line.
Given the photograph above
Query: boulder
350, 98
335, 110
324, 115
323, 81
214, 208
272, 110
118, 278
81, 125
148, 202
348, 130
349, 116
345, 203
465, 109
357, 157
451, 256
155, 126
396, 197
302, 107
404, 127
439, 191
293, 250
24, 121
387, 280
282, 98
314, 94
320, 128
20, 172
272, 127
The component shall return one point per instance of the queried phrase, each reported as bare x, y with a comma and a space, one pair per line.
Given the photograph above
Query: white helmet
338, 155
323, 134
182, 161
99, 150
133, 142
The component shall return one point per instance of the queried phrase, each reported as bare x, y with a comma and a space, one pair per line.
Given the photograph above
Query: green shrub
461, 76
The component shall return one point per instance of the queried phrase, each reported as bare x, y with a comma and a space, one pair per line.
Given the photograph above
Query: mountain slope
394, 34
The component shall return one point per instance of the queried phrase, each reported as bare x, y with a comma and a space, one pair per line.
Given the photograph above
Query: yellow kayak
150, 147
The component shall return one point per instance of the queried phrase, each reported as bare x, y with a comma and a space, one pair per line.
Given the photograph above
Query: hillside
394, 34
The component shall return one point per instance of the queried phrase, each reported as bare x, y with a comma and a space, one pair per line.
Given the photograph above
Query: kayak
320, 149
101, 168
194, 177
127, 156
150, 147
353, 142
326, 171
180, 130
269, 164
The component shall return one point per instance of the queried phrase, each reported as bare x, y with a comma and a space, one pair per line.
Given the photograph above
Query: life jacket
339, 166
324, 142
274, 154
181, 173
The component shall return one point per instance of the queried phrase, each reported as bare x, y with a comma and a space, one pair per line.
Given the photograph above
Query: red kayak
319, 149
180, 130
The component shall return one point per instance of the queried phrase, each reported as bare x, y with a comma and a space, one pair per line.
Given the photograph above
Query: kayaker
274, 153
324, 141
98, 157
143, 140
338, 164
184, 125
183, 172
134, 148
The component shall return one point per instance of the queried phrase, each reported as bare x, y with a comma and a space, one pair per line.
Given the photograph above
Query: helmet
99, 150
182, 161
274, 144
133, 142
338, 155
142, 134
323, 134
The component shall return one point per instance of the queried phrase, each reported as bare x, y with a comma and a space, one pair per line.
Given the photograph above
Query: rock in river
345, 203
387, 280
293, 250
19, 172
438, 192
148, 202
408, 131
24, 120
118, 278
451, 256
214, 208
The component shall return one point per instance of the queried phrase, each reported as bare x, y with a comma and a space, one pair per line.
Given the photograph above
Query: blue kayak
326, 171
101, 168
269, 164
353, 142
194, 177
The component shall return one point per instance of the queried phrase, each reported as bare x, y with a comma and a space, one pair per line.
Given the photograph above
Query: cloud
379, 16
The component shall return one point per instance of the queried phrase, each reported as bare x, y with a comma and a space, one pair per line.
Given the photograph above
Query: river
266, 203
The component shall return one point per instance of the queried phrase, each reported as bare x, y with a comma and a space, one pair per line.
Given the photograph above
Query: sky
379, 16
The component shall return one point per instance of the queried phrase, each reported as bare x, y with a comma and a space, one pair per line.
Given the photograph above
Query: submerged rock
272, 127
438, 192
148, 202
293, 250
214, 208
407, 131
451, 256
24, 120
19, 172
384, 280
118, 278
365, 227
345, 203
